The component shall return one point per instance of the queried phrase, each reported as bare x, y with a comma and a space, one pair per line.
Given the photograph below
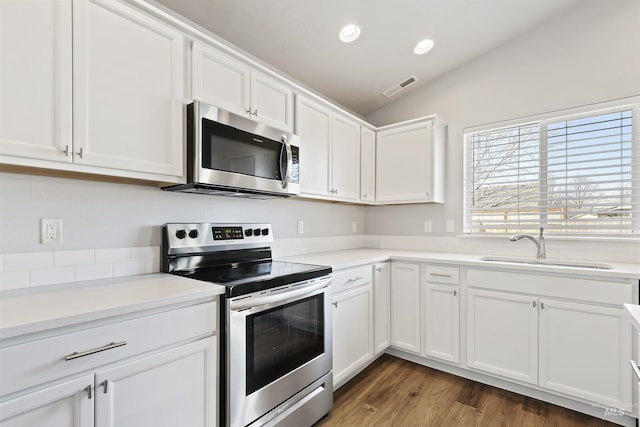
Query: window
573, 175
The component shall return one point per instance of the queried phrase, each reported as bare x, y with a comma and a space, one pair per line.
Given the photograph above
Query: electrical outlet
50, 230
354, 226
427, 226
451, 226
300, 227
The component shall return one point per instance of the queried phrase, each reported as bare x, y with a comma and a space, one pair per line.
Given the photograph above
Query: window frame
543, 121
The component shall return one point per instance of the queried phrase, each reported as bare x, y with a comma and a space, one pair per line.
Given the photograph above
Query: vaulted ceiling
300, 38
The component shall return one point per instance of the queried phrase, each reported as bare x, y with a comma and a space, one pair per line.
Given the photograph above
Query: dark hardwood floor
395, 392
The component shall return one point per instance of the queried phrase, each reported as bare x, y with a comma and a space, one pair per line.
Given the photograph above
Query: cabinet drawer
33, 363
346, 279
439, 274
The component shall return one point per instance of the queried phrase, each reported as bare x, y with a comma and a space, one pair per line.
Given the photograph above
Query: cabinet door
271, 101
404, 164
313, 125
502, 334
442, 322
128, 80
405, 306
172, 388
381, 307
35, 78
367, 165
66, 404
345, 159
352, 332
220, 80
583, 352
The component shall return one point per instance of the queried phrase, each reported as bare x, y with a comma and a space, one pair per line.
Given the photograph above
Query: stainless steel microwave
229, 154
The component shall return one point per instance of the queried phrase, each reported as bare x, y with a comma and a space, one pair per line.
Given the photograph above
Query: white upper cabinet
128, 80
220, 80
271, 101
410, 162
232, 85
35, 78
94, 86
329, 152
345, 158
367, 165
313, 125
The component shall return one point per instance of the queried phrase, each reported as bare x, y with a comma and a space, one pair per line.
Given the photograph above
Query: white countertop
38, 309
339, 260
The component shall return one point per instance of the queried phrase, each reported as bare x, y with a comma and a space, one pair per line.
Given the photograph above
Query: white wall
588, 55
114, 215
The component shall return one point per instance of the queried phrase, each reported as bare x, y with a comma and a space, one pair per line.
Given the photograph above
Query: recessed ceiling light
349, 33
423, 47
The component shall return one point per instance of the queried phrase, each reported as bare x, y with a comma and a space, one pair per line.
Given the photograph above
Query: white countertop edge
340, 260
34, 310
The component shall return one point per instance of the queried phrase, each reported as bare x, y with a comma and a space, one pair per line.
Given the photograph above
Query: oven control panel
194, 235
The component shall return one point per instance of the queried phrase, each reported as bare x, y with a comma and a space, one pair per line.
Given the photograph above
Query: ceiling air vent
400, 86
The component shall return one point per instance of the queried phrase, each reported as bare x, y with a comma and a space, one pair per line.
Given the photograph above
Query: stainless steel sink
550, 262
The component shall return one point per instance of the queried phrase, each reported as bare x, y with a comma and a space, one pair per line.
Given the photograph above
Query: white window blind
577, 175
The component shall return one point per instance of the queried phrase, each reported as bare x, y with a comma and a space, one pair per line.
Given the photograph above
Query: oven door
277, 348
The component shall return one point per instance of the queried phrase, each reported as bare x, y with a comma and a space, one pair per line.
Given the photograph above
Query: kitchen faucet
539, 242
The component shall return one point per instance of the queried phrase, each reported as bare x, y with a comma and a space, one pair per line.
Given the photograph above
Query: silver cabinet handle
109, 346
541, 306
88, 390
67, 152
440, 275
355, 279
82, 153
104, 384
364, 196
335, 304
378, 269
636, 369
455, 293
534, 304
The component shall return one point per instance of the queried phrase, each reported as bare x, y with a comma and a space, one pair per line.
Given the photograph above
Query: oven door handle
268, 299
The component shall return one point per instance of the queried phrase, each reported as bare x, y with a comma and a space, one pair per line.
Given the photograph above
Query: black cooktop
245, 278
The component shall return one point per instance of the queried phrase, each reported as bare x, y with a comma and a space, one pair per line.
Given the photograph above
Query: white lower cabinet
405, 306
580, 351
381, 306
68, 403
144, 375
502, 334
574, 348
352, 323
164, 390
442, 313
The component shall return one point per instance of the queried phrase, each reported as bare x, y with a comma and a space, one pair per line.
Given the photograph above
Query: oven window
281, 339
228, 149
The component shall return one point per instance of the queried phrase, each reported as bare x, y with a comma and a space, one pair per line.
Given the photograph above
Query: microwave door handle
287, 174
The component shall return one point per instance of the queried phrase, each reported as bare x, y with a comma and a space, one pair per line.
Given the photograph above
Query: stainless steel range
275, 323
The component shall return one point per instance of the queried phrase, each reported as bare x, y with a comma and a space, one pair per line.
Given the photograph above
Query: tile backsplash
32, 269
